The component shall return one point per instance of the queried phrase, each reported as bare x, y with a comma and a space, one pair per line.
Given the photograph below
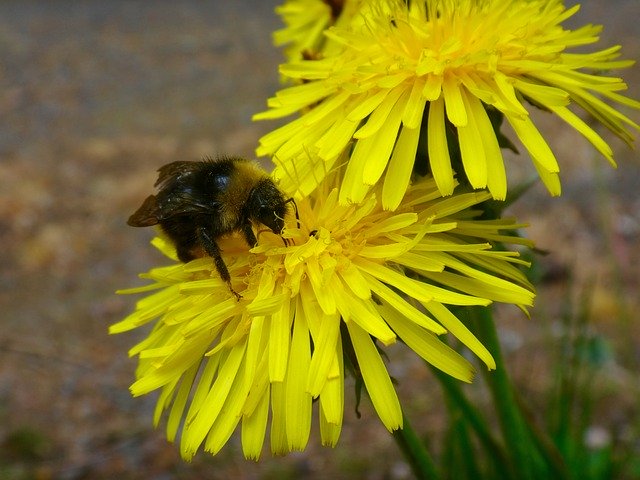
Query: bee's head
267, 205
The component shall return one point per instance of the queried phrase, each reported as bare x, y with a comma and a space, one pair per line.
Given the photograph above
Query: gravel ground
94, 96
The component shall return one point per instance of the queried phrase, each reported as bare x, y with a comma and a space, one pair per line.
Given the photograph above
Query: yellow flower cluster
434, 72
375, 253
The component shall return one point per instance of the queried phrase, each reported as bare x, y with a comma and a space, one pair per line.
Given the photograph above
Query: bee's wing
173, 170
184, 203
147, 215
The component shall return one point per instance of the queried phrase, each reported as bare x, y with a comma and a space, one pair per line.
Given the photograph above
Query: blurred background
95, 96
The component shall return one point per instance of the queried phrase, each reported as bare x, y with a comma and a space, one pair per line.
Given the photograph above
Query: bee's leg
212, 249
251, 239
249, 236
184, 253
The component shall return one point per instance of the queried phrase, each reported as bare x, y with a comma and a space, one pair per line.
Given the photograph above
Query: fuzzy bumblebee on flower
354, 277
381, 230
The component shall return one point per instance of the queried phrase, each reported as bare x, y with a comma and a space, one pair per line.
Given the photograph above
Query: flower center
322, 242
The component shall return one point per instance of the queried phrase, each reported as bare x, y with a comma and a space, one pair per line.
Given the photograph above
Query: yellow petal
335, 140
332, 395
471, 147
363, 314
353, 189
432, 88
298, 411
496, 174
254, 428
456, 113
279, 339
428, 346
352, 277
380, 115
279, 404
323, 292
199, 423
229, 416
400, 168
376, 379
590, 134
323, 353
403, 307
365, 106
385, 139
462, 333
438, 148
179, 403
413, 111
534, 142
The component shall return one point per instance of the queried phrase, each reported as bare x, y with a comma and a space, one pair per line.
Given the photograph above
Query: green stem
496, 451
514, 430
415, 452
544, 443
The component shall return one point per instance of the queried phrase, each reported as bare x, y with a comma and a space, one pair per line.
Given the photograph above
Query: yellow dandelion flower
439, 67
351, 274
305, 22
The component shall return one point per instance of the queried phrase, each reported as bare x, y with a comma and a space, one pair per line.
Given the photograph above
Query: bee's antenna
295, 207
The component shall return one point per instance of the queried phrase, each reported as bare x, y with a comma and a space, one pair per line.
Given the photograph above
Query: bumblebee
199, 202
